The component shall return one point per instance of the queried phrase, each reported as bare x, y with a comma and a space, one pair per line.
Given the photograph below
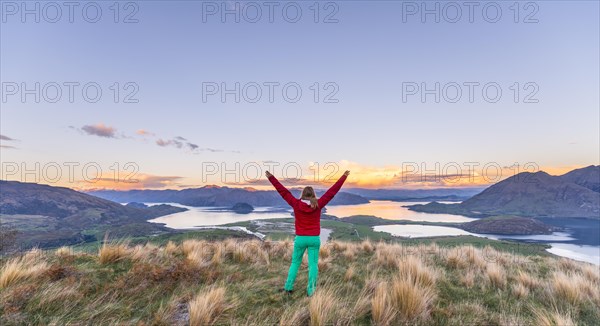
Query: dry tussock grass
520, 291
56, 292
339, 246
410, 299
30, 266
455, 258
349, 273
297, 315
412, 268
325, 251
382, 311
207, 306
473, 257
386, 255
468, 278
64, 251
113, 252
172, 248
496, 275
554, 317
399, 288
527, 280
350, 252
323, 306
567, 286
367, 246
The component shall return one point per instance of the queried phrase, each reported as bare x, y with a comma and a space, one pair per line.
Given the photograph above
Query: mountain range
216, 196
50, 216
574, 194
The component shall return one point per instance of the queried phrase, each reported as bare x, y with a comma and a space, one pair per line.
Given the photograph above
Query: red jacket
308, 220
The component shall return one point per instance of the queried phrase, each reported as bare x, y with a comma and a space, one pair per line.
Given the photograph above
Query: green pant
301, 243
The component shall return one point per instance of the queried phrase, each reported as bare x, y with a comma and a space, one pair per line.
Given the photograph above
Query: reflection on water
393, 210
556, 236
212, 217
574, 244
420, 231
590, 254
206, 216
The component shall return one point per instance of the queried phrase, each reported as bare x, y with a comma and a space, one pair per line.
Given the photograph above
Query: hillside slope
236, 282
51, 216
532, 195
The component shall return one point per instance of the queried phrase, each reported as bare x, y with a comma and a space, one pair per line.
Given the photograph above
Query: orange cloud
410, 175
137, 181
143, 132
99, 130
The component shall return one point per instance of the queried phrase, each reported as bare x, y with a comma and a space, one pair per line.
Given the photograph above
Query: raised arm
330, 193
285, 194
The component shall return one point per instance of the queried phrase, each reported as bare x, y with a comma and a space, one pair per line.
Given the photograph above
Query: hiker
307, 212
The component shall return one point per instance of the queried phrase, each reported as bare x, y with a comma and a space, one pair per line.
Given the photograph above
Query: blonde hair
309, 193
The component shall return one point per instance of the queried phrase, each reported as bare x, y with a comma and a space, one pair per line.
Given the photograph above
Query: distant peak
541, 173
211, 187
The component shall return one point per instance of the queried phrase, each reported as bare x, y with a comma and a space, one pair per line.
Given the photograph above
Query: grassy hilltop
235, 281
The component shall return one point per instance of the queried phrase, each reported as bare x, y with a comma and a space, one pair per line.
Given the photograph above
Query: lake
208, 216
393, 210
580, 240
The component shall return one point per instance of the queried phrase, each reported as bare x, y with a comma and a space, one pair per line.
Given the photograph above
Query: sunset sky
364, 57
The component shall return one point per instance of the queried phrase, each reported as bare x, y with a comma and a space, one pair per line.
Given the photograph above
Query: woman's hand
268, 174
347, 173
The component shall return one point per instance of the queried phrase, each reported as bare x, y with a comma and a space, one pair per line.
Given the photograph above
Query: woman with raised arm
307, 212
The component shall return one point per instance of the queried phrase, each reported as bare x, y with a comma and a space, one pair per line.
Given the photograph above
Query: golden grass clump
474, 257
202, 253
412, 268
147, 252
280, 248
324, 264
567, 286
387, 255
349, 273
190, 245
527, 280
519, 290
23, 268
207, 306
339, 246
295, 316
455, 258
382, 311
468, 278
32, 255
591, 272
64, 251
496, 275
113, 252
367, 246
325, 251
552, 318
567, 265
491, 255
171, 248
410, 299
350, 252
322, 307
